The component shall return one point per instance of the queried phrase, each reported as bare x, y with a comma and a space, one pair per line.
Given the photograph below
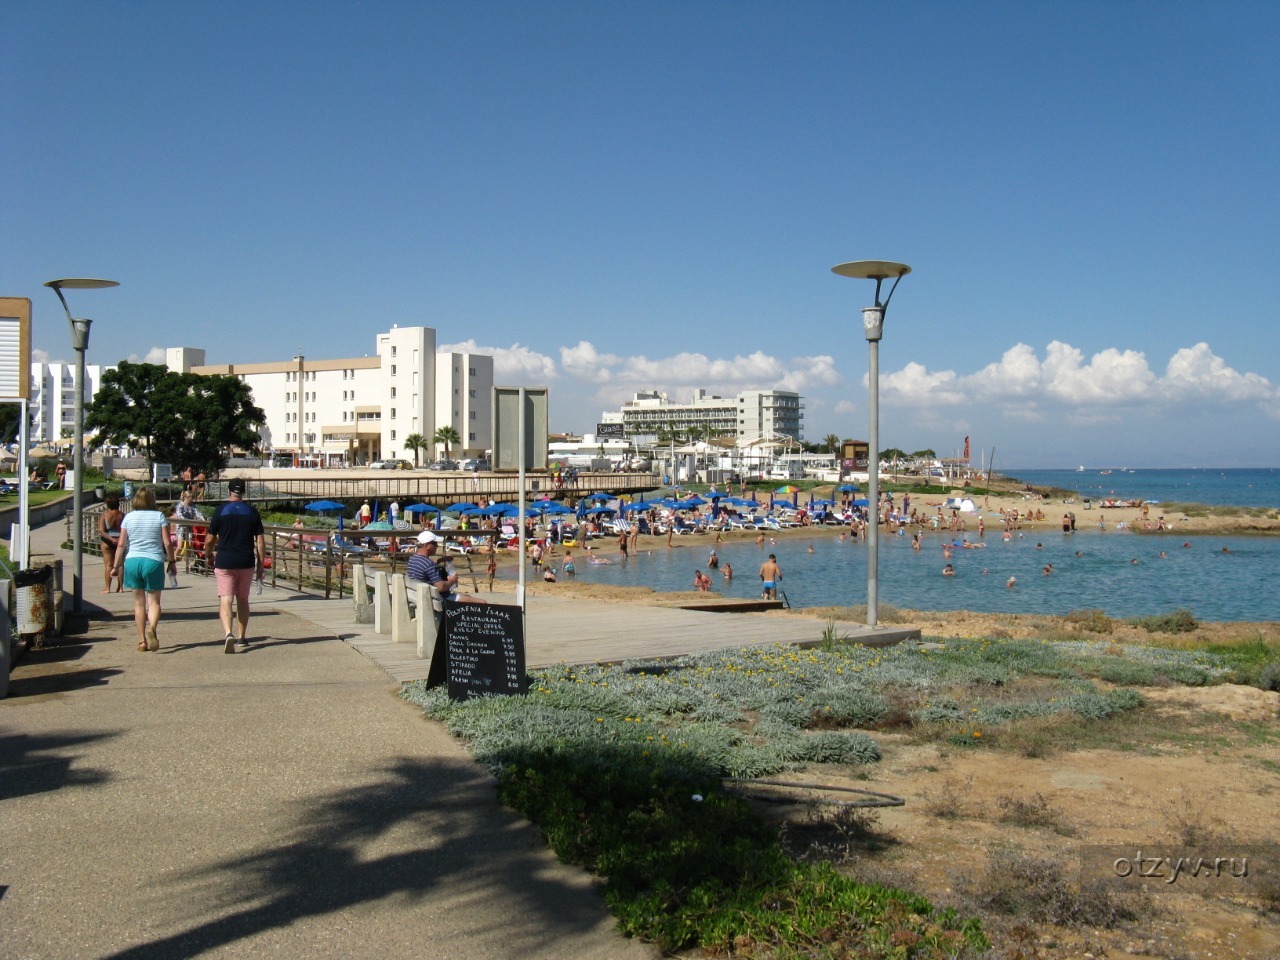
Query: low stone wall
51, 512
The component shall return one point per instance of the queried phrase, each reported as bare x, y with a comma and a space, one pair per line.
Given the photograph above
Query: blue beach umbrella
784, 503
637, 505
602, 510
324, 506
602, 497
459, 507
847, 488
421, 508
693, 501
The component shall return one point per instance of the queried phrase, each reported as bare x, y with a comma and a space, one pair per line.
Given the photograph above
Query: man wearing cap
237, 548
424, 569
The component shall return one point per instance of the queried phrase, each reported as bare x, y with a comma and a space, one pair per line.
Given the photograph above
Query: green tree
832, 442
417, 443
10, 421
178, 418
447, 436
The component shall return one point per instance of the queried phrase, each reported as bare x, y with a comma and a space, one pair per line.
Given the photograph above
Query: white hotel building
361, 409
748, 416
52, 402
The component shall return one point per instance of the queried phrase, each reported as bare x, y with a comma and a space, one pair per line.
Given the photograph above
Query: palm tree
448, 436
832, 442
415, 442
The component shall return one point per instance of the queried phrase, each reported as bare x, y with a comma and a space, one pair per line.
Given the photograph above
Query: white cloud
39, 356
154, 355
1096, 391
914, 385
679, 374
1195, 373
510, 364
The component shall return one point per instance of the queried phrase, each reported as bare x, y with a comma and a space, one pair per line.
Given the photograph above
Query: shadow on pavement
25, 769
442, 843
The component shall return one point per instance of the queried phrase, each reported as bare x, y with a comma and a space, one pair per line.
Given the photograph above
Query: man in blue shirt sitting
424, 569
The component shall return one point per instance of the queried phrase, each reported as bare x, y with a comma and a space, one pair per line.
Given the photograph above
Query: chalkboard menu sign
479, 651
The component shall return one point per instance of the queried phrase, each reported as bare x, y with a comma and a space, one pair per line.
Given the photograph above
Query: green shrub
688, 864
1094, 621
1179, 621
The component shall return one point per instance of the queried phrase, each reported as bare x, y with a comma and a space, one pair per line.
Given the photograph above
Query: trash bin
128, 490
34, 590
100, 492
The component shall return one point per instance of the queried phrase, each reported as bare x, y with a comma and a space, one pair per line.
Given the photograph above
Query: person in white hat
424, 569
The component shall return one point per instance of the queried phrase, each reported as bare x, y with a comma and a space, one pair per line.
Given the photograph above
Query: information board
479, 651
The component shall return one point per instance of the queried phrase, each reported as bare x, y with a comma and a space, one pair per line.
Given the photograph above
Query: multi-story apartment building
362, 409
751, 414
52, 402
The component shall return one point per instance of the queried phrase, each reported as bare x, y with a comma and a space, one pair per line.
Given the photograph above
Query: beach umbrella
421, 508
787, 488
862, 503
637, 505
847, 488
602, 497
556, 509
324, 506
784, 503
459, 507
602, 510
693, 501
823, 503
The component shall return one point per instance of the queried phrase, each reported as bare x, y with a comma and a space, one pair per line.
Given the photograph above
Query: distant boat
1080, 469
1105, 473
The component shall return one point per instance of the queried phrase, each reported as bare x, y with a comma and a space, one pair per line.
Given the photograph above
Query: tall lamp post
80, 343
873, 326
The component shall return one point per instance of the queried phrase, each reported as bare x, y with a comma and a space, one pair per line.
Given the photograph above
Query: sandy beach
1122, 519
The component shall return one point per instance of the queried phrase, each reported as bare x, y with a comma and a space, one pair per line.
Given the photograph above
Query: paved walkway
283, 801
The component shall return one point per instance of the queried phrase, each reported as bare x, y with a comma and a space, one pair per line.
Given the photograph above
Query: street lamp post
80, 343
873, 327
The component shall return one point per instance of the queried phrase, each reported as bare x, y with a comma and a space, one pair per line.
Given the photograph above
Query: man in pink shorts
237, 549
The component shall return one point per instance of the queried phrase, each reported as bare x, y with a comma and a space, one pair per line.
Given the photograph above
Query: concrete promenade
281, 802
284, 801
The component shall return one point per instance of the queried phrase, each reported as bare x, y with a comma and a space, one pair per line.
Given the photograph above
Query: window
393, 434
473, 414
393, 369
393, 413
471, 436
473, 371
393, 349
393, 393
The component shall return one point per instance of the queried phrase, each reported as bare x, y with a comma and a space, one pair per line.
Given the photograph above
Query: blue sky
613, 197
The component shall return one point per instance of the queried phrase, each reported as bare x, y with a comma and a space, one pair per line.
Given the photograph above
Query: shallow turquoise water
1240, 585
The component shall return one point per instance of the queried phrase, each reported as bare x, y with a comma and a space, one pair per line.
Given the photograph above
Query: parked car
474, 464
443, 465
390, 465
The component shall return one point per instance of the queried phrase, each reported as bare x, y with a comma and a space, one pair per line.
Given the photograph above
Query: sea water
1216, 487
1092, 569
